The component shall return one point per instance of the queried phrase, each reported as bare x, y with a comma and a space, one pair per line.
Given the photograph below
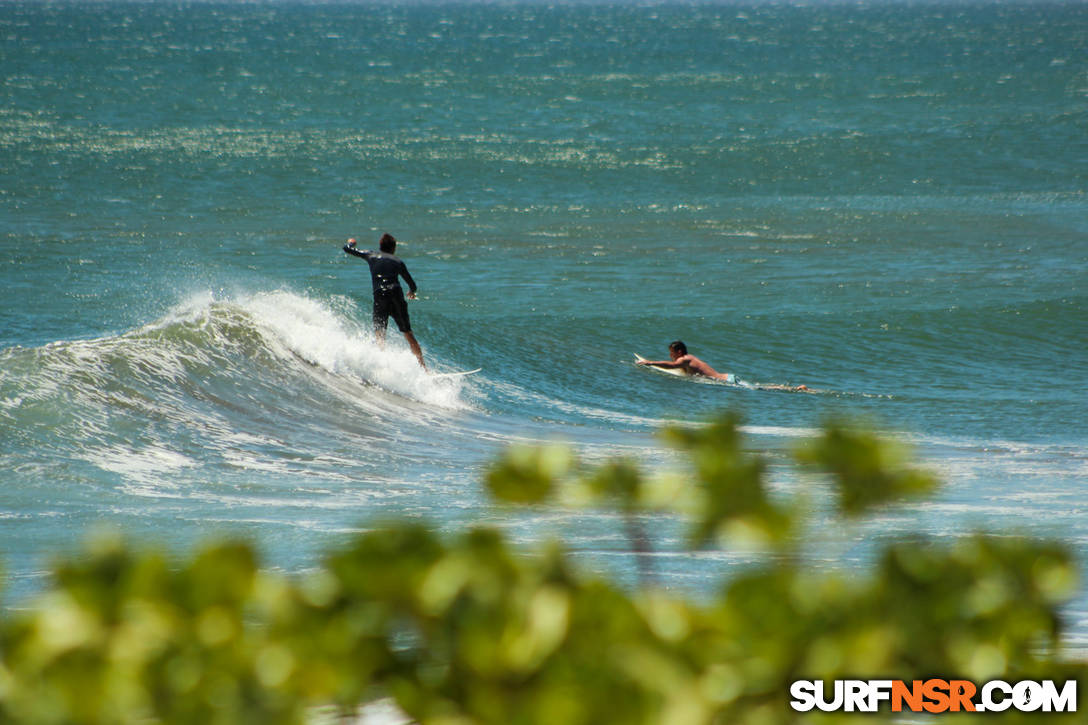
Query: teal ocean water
887, 202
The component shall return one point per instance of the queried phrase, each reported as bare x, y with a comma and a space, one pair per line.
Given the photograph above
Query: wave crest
216, 363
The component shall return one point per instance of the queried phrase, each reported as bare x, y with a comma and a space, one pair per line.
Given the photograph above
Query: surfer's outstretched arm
350, 249
660, 363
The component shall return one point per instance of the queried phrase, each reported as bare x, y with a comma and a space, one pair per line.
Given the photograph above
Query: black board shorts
391, 304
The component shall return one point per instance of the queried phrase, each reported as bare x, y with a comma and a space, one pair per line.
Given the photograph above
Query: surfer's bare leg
415, 348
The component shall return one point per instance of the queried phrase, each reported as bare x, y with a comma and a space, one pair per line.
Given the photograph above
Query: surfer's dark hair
387, 243
679, 346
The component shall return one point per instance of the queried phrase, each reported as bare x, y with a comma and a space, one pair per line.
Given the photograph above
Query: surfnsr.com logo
933, 696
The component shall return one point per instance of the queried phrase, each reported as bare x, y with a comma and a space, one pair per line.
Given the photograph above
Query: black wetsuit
388, 296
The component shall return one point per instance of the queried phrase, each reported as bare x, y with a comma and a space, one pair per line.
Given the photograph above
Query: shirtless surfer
681, 358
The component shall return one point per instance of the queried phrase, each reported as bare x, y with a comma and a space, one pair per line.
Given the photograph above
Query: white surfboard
455, 374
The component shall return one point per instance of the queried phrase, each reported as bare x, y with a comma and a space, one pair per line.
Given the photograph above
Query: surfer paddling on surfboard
385, 268
681, 359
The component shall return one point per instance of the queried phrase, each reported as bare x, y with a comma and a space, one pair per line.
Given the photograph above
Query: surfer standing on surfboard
385, 268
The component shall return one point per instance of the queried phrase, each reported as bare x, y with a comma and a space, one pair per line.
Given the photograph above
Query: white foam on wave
324, 333
965, 458
134, 404
327, 334
147, 470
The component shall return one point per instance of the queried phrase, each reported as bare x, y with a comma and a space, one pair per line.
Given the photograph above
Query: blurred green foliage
470, 629
869, 471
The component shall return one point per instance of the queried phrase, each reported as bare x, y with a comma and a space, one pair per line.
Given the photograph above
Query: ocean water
887, 202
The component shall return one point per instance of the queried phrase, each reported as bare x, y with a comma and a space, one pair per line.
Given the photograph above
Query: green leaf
735, 505
868, 471
529, 474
